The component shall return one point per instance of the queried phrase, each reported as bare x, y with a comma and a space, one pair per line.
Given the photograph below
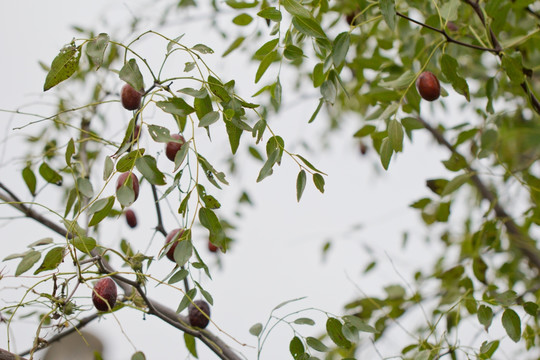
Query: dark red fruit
428, 86
131, 218
104, 294
131, 98
213, 248
351, 17
137, 132
196, 317
452, 26
170, 237
173, 147
134, 183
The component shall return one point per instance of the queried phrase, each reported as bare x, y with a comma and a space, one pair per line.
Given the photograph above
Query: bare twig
519, 239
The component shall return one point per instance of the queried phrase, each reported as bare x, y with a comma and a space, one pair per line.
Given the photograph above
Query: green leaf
365, 131
294, 8
309, 27
50, 175
488, 349
40, 242
512, 324
300, 184
108, 168
304, 321
479, 269
256, 329
531, 308
96, 48
209, 119
84, 243
334, 330
173, 42
127, 161
296, 348
29, 179
513, 66
270, 13
359, 324
183, 252
316, 112
191, 344
198, 94
449, 67
266, 170
180, 275
85, 187
181, 156
234, 45
187, 299
455, 184
27, 262
329, 91
211, 202
234, 134
51, 261
148, 167
485, 316
395, 134
386, 153
203, 49
340, 48
131, 74
449, 10
308, 164
316, 344
210, 221
242, 19
318, 180
265, 63
125, 195
70, 150
241, 4
139, 355
388, 10
217, 88
189, 66
63, 66
266, 48
282, 304
176, 106
403, 81
103, 212
292, 52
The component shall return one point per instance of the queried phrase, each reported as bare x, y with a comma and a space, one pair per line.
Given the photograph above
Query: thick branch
518, 238
218, 346
6, 355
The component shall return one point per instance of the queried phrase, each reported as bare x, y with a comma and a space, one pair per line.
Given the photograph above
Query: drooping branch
518, 238
218, 346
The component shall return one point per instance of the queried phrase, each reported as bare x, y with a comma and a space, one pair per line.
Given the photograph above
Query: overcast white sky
278, 253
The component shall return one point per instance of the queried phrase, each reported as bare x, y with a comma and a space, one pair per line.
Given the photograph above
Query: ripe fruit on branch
131, 218
428, 86
350, 17
212, 248
104, 294
170, 237
173, 147
134, 183
131, 98
196, 317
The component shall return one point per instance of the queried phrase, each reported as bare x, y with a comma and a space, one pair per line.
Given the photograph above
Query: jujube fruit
169, 238
428, 86
137, 132
131, 218
131, 98
196, 317
212, 248
104, 294
134, 183
173, 147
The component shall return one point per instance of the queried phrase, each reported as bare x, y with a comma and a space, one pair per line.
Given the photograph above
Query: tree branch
218, 346
6, 355
448, 37
519, 239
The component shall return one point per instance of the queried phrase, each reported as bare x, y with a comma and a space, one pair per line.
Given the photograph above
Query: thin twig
448, 37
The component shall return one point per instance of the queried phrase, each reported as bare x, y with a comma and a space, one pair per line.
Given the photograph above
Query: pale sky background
278, 253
